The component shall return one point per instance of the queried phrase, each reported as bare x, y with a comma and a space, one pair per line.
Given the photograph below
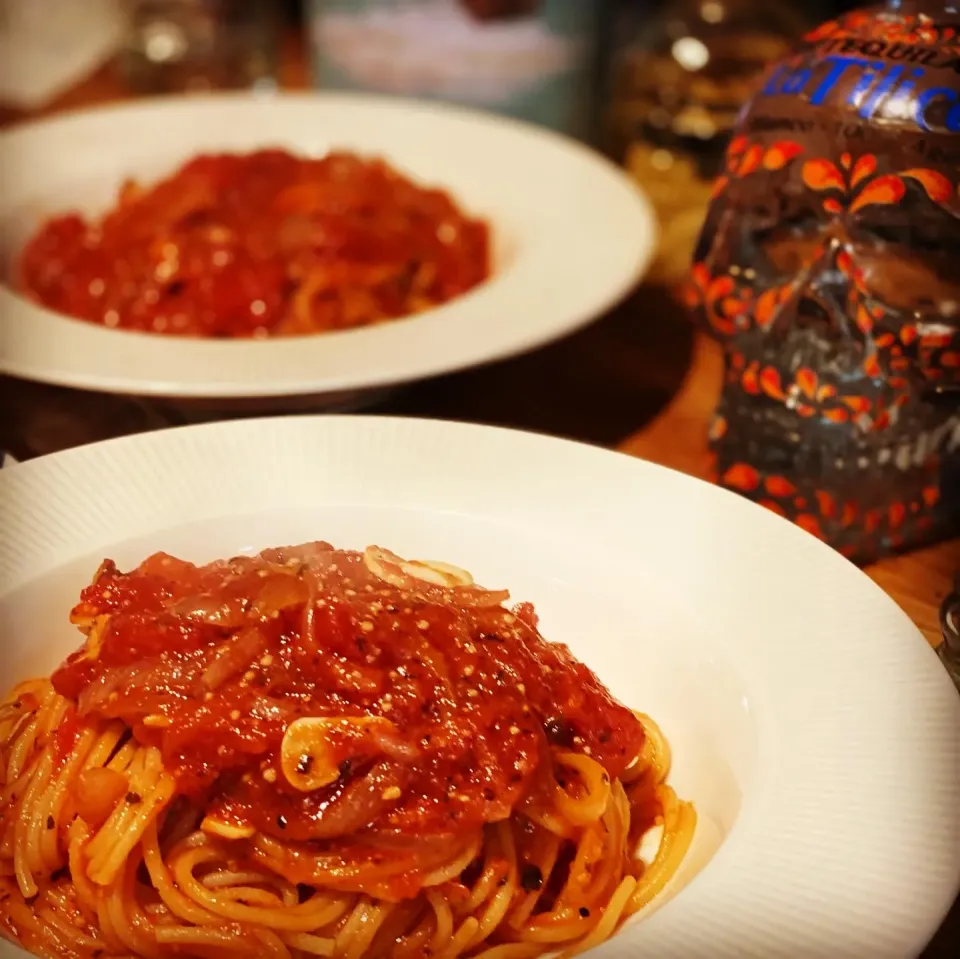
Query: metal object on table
196, 45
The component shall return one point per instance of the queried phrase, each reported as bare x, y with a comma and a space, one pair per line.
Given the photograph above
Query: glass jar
678, 80
530, 59
197, 45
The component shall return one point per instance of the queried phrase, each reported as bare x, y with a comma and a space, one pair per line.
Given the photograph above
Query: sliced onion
94, 643
370, 875
430, 580
234, 656
473, 597
398, 841
226, 614
388, 740
280, 592
95, 696
308, 553
359, 804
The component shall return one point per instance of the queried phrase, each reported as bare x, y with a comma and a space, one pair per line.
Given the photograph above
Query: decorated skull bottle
829, 270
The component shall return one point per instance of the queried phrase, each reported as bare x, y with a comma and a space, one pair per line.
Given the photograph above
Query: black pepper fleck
134, 798
559, 732
584, 912
531, 878
282, 821
50, 822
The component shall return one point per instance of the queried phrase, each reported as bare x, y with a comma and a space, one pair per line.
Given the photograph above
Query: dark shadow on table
599, 385
946, 943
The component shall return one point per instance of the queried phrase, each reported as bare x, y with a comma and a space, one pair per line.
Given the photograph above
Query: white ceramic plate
571, 234
812, 726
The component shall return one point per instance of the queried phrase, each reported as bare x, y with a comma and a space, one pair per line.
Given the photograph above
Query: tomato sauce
259, 244
212, 663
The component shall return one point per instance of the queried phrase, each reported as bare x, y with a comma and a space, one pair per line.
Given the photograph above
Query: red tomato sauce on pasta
211, 664
260, 244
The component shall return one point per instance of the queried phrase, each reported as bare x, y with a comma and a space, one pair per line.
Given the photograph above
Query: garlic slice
397, 571
307, 757
440, 574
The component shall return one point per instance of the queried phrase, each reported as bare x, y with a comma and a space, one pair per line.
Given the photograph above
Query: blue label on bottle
877, 90
908, 84
530, 59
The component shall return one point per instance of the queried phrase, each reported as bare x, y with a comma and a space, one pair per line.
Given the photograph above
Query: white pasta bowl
571, 236
811, 725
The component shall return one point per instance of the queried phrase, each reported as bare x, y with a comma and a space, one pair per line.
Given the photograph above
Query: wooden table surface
639, 381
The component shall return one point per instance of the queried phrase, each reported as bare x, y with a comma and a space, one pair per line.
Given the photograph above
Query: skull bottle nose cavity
836, 238
814, 311
820, 301
813, 315
832, 265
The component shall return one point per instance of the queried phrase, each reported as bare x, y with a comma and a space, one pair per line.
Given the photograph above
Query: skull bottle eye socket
789, 243
908, 258
790, 253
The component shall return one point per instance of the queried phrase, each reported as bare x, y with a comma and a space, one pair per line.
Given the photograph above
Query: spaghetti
314, 752
259, 244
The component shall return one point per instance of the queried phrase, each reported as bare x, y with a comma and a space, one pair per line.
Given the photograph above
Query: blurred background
656, 84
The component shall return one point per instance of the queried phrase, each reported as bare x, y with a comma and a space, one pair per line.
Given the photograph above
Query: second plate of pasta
302, 249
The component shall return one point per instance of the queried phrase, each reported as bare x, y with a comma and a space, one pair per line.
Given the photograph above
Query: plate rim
440, 357
77, 478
